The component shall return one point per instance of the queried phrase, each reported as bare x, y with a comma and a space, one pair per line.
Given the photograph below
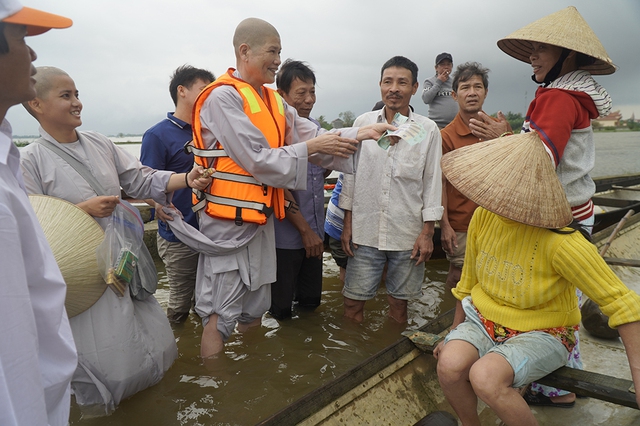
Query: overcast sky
121, 53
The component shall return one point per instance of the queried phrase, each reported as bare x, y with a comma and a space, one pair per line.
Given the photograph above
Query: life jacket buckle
202, 200
187, 147
238, 220
267, 211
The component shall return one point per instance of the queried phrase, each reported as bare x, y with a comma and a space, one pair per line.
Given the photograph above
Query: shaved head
253, 32
44, 79
44, 83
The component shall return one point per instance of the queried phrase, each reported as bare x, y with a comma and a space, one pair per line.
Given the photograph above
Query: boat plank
622, 262
624, 188
594, 385
605, 183
613, 202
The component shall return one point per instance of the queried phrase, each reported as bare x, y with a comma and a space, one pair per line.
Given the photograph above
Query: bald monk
265, 140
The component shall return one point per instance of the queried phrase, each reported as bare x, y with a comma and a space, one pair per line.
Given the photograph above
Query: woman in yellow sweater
517, 308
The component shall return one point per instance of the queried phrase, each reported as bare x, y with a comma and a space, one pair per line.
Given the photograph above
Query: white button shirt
394, 191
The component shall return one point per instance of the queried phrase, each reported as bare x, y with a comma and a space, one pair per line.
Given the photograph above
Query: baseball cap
444, 55
37, 21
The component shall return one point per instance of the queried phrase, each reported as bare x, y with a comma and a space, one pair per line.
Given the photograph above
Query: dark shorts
337, 253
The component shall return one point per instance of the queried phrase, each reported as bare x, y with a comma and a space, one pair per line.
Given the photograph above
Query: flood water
275, 364
617, 153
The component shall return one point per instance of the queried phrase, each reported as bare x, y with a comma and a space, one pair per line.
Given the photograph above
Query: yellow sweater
524, 277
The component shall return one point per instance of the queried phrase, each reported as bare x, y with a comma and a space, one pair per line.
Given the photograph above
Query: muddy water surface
271, 366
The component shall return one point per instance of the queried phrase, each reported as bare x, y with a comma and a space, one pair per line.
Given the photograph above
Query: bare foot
563, 399
242, 327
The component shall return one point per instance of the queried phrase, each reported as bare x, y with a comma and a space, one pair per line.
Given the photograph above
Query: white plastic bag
123, 259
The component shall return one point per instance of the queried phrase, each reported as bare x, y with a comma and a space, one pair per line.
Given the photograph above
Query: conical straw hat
512, 177
565, 28
73, 236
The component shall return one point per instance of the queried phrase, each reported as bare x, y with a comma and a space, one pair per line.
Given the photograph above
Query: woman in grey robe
124, 345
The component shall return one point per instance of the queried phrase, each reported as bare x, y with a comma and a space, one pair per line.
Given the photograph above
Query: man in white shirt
392, 202
37, 353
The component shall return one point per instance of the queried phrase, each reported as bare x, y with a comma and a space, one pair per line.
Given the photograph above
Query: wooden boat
399, 386
614, 197
606, 183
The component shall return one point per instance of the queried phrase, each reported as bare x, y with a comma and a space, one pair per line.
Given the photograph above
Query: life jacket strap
239, 204
234, 177
206, 153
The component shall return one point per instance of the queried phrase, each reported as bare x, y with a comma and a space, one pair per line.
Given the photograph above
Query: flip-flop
540, 400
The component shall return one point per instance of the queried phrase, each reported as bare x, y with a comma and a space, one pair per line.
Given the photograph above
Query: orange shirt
459, 208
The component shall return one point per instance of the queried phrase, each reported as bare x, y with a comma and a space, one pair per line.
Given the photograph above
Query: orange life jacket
234, 194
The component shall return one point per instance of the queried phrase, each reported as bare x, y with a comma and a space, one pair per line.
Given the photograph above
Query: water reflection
270, 366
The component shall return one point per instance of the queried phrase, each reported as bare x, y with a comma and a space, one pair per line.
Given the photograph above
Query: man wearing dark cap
37, 354
437, 92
